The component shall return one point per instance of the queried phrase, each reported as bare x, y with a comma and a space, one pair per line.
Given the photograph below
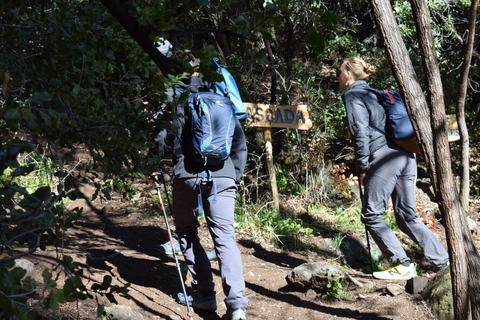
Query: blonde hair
359, 68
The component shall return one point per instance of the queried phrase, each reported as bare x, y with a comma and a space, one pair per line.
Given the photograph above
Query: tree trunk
221, 39
118, 9
407, 81
462, 92
463, 253
288, 53
459, 238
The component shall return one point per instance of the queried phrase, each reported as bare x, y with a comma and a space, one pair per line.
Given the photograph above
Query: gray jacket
365, 118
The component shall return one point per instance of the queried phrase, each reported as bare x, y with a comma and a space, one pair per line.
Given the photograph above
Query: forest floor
116, 238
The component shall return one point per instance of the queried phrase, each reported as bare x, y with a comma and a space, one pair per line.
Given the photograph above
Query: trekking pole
157, 187
366, 231
362, 202
166, 191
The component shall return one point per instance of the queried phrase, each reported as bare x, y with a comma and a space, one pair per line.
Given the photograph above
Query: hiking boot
397, 272
446, 264
238, 314
212, 256
166, 248
205, 301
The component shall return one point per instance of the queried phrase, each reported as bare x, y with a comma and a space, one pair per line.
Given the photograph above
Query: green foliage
447, 30
33, 172
390, 218
10, 284
349, 218
337, 240
288, 232
16, 289
335, 287
70, 75
373, 264
32, 208
286, 183
103, 312
73, 88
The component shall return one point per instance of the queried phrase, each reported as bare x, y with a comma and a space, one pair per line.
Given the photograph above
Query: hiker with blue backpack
209, 156
385, 170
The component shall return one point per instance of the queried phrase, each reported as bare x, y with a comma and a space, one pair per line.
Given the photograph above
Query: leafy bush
32, 215
335, 287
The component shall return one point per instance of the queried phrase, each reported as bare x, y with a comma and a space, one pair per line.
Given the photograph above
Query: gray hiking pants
392, 174
220, 219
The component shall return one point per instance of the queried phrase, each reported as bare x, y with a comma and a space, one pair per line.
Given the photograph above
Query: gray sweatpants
220, 219
392, 174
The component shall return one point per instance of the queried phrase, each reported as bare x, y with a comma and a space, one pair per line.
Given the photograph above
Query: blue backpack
228, 88
212, 121
398, 126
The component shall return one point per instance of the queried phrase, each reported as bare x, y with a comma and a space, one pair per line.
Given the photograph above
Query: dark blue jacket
364, 114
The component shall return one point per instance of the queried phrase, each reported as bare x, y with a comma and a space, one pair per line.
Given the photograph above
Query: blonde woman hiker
385, 171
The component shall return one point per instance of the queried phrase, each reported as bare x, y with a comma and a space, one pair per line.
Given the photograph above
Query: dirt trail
124, 234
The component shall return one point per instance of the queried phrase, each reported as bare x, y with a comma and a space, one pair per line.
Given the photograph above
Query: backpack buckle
206, 177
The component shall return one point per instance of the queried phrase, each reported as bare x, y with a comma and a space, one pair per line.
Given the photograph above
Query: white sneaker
238, 314
397, 272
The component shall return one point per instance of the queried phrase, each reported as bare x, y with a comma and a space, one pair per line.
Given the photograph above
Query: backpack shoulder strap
390, 96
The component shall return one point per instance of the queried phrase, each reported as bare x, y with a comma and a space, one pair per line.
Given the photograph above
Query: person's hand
361, 177
146, 106
150, 179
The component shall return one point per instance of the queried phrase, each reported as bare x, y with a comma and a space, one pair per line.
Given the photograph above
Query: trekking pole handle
155, 177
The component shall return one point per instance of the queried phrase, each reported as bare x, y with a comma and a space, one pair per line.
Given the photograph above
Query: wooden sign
452, 128
277, 116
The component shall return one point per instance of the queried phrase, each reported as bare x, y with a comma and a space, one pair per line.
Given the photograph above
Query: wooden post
267, 133
276, 116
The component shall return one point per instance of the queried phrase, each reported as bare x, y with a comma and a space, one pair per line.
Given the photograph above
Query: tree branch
214, 30
441, 18
119, 11
462, 93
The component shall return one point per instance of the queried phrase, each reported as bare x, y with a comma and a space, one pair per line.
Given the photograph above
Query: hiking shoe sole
166, 248
212, 256
238, 314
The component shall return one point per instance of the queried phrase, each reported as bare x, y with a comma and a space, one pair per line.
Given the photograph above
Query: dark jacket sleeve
239, 151
159, 142
358, 119
161, 137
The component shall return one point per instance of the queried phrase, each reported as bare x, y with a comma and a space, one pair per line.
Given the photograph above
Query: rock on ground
313, 276
438, 294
